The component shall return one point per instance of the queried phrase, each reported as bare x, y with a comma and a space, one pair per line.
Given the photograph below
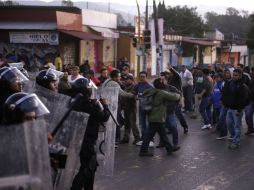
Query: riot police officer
11, 80
98, 111
21, 107
47, 79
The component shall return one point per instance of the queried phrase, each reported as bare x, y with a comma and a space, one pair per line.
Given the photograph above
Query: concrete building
37, 34
104, 52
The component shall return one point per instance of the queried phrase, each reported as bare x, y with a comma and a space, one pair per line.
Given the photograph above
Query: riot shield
29, 86
106, 137
56, 103
74, 130
67, 141
24, 157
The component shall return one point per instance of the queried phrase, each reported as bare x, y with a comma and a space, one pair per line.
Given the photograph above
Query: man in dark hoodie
171, 123
174, 79
157, 116
235, 96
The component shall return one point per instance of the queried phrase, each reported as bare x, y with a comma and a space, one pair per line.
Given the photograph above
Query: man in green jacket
157, 116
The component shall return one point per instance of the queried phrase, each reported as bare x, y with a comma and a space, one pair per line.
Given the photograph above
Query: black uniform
85, 177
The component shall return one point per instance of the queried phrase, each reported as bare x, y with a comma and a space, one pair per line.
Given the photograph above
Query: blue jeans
249, 110
205, 110
172, 126
221, 125
234, 124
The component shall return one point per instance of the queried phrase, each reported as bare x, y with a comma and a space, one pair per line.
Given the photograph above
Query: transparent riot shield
71, 136
24, 157
106, 137
29, 86
67, 141
56, 103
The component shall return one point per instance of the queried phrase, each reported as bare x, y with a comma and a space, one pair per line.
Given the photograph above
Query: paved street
203, 163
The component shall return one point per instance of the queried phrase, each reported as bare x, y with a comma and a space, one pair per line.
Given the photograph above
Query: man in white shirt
187, 84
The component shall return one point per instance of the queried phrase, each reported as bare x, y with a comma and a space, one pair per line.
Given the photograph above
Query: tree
250, 34
183, 20
230, 22
8, 3
67, 3
121, 21
232, 11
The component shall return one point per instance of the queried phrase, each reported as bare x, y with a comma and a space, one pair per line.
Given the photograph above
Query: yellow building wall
87, 52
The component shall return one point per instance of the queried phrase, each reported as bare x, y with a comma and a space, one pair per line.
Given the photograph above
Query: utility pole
109, 7
138, 46
158, 65
146, 28
231, 45
211, 55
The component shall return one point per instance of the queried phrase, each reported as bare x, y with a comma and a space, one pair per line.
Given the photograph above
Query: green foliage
121, 21
182, 20
8, 3
233, 21
67, 3
250, 34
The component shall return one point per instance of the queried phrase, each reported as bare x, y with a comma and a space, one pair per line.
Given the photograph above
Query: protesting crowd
219, 96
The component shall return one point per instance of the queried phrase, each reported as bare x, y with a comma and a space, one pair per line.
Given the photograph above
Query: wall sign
34, 37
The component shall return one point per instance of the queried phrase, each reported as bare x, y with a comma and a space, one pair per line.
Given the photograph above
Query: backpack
146, 103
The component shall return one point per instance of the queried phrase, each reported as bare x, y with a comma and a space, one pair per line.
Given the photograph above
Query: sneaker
221, 137
233, 146
149, 154
139, 143
249, 132
230, 138
151, 144
193, 116
206, 127
135, 141
175, 148
160, 145
185, 130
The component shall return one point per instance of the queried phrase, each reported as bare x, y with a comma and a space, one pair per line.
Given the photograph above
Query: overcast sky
238, 4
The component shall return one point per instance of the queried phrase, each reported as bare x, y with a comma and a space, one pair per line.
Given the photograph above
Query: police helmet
21, 106
83, 86
9, 76
45, 77
12, 74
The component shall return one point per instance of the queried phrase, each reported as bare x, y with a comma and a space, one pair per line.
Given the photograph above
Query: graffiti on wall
33, 55
69, 54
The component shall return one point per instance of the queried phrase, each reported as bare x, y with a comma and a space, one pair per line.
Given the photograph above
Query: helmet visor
31, 103
58, 74
12, 74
